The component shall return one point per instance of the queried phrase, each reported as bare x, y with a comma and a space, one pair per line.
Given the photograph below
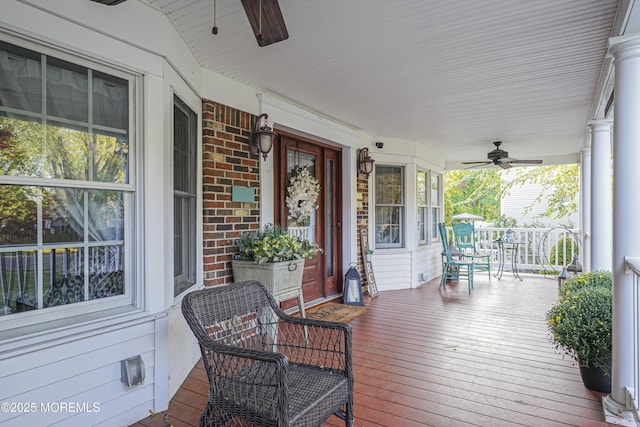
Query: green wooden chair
464, 235
454, 268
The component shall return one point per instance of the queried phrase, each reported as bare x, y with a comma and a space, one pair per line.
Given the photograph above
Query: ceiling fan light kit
500, 157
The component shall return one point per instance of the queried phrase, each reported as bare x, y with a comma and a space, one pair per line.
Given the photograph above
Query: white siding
392, 269
514, 204
84, 371
428, 261
395, 269
183, 349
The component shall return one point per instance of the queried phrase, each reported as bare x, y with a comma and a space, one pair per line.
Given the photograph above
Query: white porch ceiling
455, 75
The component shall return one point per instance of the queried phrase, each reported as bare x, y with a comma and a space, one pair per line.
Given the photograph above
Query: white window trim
132, 301
426, 216
402, 245
435, 237
194, 102
194, 195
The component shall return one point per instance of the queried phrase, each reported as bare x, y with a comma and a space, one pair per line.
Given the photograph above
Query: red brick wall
226, 162
362, 213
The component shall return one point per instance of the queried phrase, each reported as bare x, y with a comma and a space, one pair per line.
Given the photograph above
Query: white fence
541, 249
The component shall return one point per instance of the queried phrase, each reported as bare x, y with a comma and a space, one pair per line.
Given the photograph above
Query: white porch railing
543, 249
633, 265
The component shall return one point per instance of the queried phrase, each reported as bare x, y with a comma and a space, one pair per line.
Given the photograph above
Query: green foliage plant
273, 244
584, 280
563, 246
475, 191
559, 188
580, 319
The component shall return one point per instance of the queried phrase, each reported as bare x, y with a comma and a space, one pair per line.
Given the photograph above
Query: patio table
505, 247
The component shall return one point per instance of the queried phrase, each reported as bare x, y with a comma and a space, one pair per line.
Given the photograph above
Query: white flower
302, 195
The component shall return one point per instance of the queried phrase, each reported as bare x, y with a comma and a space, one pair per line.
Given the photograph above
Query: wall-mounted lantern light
262, 137
365, 162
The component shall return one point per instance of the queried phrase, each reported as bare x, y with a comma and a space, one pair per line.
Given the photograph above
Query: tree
560, 184
475, 191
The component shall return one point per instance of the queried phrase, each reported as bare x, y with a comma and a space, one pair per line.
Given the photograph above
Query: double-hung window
390, 204
184, 196
436, 183
423, 207
67, 191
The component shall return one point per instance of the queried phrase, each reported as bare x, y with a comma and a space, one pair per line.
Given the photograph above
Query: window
423, 208
435, 205
66, 193
389, 206
184, 196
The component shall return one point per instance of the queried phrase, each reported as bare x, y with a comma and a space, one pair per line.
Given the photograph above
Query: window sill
24, 339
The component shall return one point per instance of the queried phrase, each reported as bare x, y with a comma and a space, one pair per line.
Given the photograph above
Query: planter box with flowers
580, 326
274, 258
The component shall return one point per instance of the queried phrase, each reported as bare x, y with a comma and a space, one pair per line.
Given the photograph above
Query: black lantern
575, 266
564, 275
365, 162
352, 288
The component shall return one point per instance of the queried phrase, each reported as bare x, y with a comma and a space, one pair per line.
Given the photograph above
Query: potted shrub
580, 326
273, 257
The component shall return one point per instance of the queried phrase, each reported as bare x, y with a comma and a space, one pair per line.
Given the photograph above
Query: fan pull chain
214, 30
260, 38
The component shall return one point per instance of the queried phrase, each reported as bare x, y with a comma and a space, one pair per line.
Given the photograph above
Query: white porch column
585, 207
626, 204
601, 195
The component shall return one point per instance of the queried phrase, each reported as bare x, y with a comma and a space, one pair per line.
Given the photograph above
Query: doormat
335, 312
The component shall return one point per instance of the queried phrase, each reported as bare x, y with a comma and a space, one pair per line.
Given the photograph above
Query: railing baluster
633, 265
540, 247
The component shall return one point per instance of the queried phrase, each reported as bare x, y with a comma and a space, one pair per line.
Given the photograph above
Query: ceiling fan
264, 16
266, 21
501, 158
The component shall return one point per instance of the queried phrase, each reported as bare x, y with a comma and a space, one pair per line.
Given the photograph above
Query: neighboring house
120, 154
515, 204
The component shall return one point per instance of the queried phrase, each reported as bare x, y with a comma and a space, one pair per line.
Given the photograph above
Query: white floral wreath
302, 195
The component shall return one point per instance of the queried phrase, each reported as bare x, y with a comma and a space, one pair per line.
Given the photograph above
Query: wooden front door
322, 273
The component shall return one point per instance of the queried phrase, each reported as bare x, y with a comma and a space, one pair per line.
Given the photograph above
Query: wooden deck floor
425, 357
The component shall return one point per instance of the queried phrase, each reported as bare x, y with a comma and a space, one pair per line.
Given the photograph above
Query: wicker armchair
266, 368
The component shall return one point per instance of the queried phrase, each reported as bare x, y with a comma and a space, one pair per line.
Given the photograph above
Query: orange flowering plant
580, 319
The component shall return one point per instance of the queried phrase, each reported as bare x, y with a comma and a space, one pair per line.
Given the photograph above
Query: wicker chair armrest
344, 327
246, 353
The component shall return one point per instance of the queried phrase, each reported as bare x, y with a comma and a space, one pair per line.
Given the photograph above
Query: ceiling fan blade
475, 164
527, 162
269, 26
109, 2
